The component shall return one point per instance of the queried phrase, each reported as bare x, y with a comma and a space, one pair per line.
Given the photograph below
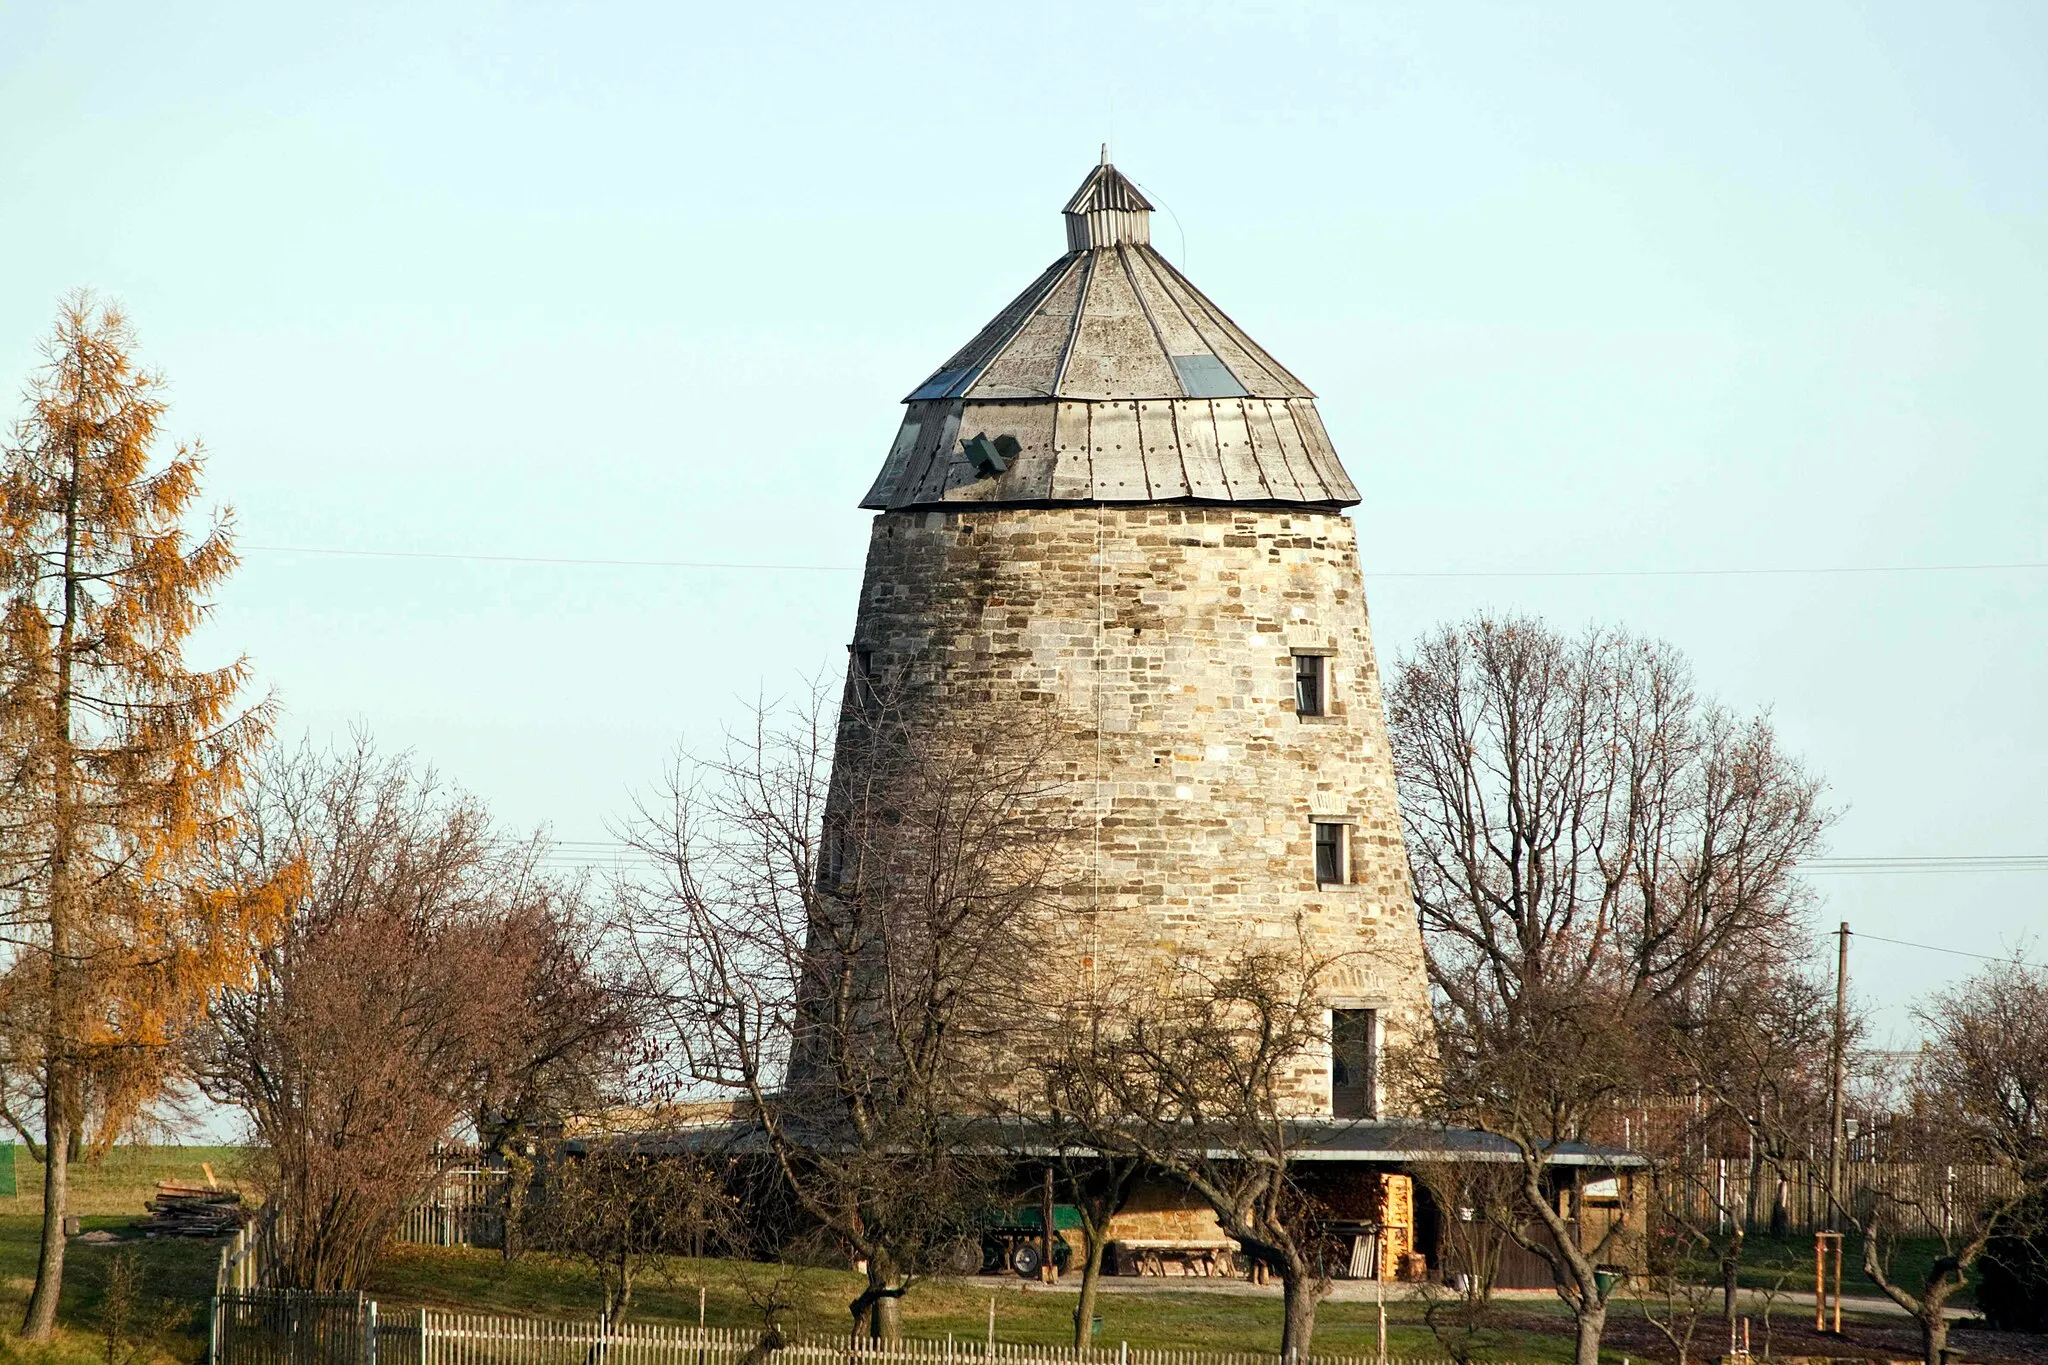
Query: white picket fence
483, 1339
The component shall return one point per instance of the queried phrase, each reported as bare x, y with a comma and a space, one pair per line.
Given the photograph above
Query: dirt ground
1865, 1339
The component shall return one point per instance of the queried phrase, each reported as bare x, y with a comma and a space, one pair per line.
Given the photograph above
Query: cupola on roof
1111, 379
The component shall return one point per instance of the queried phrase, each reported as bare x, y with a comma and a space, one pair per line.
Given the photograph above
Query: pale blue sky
1625, 286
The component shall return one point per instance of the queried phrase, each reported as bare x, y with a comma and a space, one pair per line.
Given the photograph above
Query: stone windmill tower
1112, 497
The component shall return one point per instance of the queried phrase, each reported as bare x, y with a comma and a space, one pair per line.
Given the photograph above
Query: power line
1932, 948
542, 559
456, 557
1706, 573
1996, 862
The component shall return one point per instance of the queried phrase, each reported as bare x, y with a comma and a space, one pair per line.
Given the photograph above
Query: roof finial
1105, 153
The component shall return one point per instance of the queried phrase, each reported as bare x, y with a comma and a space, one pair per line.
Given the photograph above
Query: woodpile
192, 1211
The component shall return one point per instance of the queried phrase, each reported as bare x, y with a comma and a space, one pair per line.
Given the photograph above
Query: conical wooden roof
1118, 381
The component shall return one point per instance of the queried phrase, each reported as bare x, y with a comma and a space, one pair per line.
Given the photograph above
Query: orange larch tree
119, 765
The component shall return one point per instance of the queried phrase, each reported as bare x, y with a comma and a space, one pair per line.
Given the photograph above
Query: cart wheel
962, 1257
1025, 1259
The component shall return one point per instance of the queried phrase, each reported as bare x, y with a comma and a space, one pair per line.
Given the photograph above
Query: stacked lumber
192, 1211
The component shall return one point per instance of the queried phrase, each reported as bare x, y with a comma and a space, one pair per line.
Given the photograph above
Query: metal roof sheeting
1263, 450
1121, 382
1310, 1138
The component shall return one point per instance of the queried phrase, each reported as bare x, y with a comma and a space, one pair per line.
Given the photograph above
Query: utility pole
1835, 1116
1048, 1269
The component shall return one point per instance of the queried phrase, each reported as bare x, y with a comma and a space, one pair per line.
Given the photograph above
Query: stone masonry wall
1162, 637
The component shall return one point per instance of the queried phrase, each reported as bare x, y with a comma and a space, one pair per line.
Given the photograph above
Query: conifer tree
119, 765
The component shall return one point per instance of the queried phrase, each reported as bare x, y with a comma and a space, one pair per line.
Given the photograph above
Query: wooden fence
291, 1327
1923, 1200
465, 1208
248, 1260
279, 1327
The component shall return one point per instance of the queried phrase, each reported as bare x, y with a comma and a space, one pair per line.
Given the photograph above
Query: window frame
1365, 1096
860, 670
1317, 665
832, 858
1342, 843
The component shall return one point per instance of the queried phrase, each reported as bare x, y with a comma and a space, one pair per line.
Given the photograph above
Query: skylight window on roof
944, 384
1204, 376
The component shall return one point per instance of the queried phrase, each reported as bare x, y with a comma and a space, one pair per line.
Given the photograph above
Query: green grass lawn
175, 1274
1532, 1330
481, 1281
1529, 1330
1765, 1261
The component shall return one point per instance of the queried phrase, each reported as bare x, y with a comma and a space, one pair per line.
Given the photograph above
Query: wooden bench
1167, 1256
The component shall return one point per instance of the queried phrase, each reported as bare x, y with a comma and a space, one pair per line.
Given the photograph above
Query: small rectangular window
863, 680
832, 866
1354, 1043
1330, 862
1310, 694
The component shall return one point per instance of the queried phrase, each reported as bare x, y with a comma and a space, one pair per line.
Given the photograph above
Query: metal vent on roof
989, 458
1204, 376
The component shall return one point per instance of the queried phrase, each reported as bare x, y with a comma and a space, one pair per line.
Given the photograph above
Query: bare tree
848, 954
1200, 1080
1059, 1118
1061, 1109
1758, 1061
578, 1029
1097, 1185
1979, 1095
1588, 839
616, 1207
1469, 1197
391, 1004
1673, 1300
1769, 1293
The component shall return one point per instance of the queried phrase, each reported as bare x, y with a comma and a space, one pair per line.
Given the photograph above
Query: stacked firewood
192, 1211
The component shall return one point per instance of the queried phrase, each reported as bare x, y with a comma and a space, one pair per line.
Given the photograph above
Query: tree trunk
1933, 1332
1298, 1299
889, 1314
1091, 1276
1731, 1268
58, 1119
1592, 1322
764, 1350
622, 1299
878, 1312
1578, 1278
41, 1318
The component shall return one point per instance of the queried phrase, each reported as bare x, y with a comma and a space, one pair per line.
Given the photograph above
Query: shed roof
1373, 1141
1109, 336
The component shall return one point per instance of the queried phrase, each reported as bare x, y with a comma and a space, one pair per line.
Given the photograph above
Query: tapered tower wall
1162, 639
